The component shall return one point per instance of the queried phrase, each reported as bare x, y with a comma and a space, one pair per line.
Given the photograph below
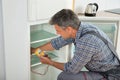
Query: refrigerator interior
39, 35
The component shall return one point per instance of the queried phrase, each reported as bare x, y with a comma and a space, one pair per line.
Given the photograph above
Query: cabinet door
44, 9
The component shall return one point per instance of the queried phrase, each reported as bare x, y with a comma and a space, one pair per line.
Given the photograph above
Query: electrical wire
44, 73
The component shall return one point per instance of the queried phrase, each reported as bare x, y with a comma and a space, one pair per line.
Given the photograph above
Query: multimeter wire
46, 70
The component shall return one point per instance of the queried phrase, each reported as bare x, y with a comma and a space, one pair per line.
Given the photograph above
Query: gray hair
65, 18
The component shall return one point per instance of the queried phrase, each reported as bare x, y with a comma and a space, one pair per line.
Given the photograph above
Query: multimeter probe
39, 53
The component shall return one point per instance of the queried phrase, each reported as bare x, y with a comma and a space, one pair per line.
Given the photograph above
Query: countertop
101, 15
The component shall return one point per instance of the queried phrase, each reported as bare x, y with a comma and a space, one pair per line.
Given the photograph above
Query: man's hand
46, 60
33, 50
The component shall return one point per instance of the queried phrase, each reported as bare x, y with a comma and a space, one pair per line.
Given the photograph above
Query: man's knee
79, 76
60, 76
66, 76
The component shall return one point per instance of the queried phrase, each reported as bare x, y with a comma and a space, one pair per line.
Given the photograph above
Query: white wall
103, 4
2, 58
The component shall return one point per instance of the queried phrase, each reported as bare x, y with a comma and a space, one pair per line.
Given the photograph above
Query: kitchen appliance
91, 9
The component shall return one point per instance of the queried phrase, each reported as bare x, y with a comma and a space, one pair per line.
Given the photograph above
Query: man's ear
69, 29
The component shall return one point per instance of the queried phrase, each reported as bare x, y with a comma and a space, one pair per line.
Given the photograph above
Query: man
90, 51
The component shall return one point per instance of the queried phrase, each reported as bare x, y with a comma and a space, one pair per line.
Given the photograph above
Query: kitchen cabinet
44, 9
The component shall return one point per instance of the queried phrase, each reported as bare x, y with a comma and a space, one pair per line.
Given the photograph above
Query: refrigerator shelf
41, 35
36, 61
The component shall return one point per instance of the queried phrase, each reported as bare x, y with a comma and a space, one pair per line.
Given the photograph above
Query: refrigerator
39, 35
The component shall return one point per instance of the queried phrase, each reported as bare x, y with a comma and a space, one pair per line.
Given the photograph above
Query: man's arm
58, 65
53, 44
45, 47
47, 60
